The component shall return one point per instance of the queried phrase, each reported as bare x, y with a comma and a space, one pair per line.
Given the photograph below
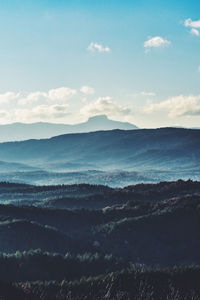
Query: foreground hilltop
95, 242
151, 224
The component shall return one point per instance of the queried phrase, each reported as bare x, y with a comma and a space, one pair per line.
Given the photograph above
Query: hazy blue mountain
22, 131
7, 167
115, 178
169, 149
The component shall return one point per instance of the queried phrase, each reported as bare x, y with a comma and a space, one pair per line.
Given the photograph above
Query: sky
135, 61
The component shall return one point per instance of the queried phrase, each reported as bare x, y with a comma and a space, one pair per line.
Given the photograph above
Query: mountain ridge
41, 130
153, 148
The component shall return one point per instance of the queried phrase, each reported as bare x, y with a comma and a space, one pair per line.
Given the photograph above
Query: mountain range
145, 154
40, 130
110, 149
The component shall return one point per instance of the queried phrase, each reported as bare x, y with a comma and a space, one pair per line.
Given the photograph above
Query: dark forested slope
131, 244
152, 224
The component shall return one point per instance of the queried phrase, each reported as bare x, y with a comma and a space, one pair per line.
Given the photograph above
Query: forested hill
164, 148
132, 241
151, 224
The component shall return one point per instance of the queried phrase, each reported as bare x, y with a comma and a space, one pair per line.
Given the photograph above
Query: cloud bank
56, 106
36, 106
178, 106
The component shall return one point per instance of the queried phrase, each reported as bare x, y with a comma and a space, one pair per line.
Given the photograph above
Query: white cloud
58, 95
48, 113
194, 31
105, 106
33, 98
84, 100
98, 47
36, 106
177, 106
156, 42
61, 94
198, 68
193, 24
87, 90
3, 114
52, 106
9, 96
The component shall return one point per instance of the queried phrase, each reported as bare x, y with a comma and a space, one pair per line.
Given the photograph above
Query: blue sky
136, 61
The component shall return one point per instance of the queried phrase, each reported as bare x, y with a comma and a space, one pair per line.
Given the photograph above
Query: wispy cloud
87, 90
194, 25
95, 47
156, 42
149, 94
176, 106
194, 31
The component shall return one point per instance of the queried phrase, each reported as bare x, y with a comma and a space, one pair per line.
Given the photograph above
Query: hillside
93, 196
89, 242
151, 224
22, 235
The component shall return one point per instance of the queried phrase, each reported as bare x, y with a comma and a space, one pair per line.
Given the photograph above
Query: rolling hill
163, 218
146, 240
158, 148
115, 157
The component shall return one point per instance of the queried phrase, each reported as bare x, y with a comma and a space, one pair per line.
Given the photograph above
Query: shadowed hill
24, 235
151, 224
87, 196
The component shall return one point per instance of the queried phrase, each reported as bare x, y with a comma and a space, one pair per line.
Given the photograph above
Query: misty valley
114, 158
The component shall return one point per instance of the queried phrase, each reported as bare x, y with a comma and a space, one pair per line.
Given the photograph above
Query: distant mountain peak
98, 118
103, 121
40, 130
